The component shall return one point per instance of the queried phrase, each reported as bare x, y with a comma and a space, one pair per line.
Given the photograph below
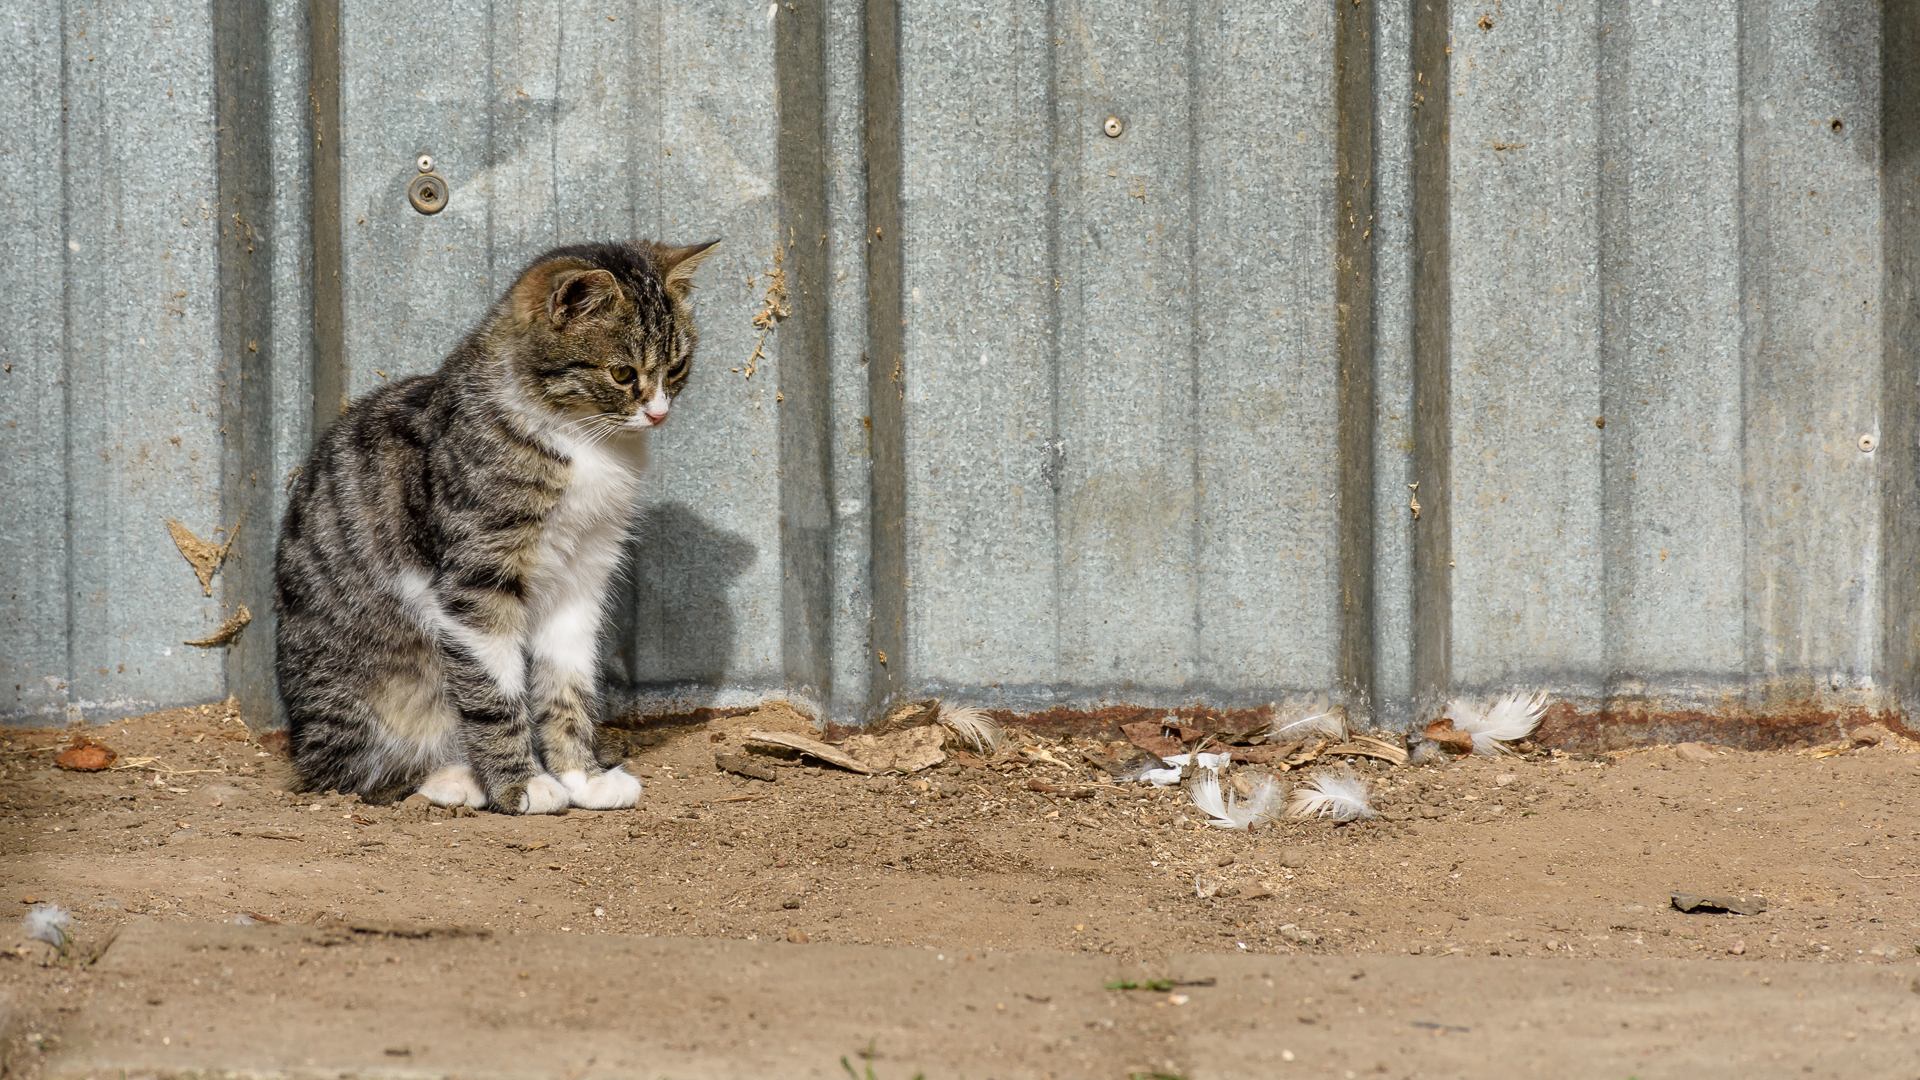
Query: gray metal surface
113, 391
1120, 384
1635, 301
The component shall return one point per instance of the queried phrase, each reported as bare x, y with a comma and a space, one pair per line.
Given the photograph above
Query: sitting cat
445, 556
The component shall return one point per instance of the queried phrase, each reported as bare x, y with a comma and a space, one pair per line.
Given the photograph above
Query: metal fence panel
116, 245
1052, 415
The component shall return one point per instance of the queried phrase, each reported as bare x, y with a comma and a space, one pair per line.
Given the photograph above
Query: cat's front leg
486, 678
564, 702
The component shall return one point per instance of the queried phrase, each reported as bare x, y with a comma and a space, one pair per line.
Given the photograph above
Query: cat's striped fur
447, 549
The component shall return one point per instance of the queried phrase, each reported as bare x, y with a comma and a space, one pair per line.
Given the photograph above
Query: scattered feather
1169, 772
1340, 796
972, 725
50, 923
1497, 723
1225, 809
1321, 721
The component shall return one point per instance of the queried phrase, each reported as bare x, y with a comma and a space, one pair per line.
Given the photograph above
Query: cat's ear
579, 293
561, 291
676, 265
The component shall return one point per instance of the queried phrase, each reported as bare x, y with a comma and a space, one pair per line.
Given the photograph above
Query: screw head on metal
424, 162
428, 193
1113, 127
1867, 443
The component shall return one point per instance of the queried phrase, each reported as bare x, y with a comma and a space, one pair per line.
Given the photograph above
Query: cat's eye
621, 373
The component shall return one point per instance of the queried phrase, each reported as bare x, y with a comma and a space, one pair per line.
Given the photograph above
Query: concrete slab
175, 999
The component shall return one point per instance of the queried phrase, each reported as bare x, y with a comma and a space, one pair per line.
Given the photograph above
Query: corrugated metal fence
1122, 339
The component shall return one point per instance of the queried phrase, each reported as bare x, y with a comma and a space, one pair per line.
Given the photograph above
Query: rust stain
1628, 722
1106, 723
632, 719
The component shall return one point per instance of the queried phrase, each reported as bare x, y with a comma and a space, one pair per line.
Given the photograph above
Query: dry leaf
228, 630
1443, 732
205, 558
85, 755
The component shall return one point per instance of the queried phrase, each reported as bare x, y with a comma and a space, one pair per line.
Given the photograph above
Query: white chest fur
581, 540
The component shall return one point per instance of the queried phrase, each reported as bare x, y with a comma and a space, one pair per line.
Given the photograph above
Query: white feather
1227, 811
49, 923
1341, 796
1321, 721
1509, 719
973, 726
1171, 774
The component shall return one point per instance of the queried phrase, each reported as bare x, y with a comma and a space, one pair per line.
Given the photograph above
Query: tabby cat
445, 557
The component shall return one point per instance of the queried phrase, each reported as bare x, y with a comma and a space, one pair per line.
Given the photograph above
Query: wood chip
1056, 789
810, 747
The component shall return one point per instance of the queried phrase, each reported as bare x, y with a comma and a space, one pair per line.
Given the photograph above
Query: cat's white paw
453, 785
545, 795
615, 789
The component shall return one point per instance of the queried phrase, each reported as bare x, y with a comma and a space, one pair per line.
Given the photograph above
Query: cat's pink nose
657, 418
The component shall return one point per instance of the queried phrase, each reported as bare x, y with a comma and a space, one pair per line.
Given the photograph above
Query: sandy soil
1542, 856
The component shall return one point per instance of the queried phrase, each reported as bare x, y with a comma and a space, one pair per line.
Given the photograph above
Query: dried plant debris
84, 754
811, 748
1491, 726
1368, 746
226, 631
905, 751
1225, 809
1320, 720
972, 726
1336, 796
205, 558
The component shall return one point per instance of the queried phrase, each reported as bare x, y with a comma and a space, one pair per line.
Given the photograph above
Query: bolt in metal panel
414, 285
550, 126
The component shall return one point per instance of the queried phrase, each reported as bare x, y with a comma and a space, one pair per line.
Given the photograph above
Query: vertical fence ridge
244, 186
1354, 296
806, 478
886, 352
1432, 356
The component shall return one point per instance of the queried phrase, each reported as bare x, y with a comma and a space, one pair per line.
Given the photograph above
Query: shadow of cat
671, 619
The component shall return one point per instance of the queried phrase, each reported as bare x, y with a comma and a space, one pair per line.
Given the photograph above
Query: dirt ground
1540, 856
